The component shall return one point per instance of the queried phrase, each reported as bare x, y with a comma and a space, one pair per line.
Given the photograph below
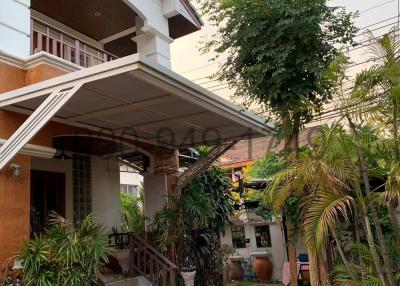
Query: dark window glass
263, 236
238, 236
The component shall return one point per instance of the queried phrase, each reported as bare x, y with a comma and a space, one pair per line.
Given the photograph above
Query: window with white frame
131, 190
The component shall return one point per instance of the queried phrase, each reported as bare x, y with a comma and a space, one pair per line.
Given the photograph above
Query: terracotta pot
236, 271
262, 266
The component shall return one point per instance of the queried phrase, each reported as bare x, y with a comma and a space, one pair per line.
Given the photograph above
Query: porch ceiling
94, 18
141, 100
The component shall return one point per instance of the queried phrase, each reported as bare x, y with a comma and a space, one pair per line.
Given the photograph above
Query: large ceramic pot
188, 277
262, 266
236, 271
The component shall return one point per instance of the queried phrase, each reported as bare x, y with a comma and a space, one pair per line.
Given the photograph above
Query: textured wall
14, 208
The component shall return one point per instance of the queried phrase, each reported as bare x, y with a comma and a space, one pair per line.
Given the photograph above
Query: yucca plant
64, 254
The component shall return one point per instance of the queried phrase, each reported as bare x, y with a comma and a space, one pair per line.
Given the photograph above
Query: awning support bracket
35, 122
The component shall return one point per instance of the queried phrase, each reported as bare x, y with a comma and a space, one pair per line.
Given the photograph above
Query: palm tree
380, 84
327, 179
353, 108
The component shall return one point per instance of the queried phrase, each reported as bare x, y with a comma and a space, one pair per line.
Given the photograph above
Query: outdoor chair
304, 275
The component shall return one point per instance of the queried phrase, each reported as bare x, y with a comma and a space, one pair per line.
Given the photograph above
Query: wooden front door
47, 195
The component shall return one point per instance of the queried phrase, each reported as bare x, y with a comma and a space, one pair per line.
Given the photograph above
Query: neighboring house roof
245, 152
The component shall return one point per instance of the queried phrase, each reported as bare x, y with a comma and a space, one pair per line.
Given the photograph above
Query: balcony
63, 45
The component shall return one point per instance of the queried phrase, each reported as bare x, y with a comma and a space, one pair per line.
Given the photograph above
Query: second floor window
131, 190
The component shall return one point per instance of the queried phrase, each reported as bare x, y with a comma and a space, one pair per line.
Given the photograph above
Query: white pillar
155, 195
15, 27
152, 44
106, 202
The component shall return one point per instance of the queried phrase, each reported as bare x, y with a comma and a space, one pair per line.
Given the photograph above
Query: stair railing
145, 260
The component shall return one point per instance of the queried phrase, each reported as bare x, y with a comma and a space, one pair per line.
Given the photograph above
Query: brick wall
14, 208
15, 192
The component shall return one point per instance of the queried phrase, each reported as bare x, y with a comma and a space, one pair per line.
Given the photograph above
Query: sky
375, 15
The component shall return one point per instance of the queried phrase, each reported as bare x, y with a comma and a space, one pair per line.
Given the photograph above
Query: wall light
16, 170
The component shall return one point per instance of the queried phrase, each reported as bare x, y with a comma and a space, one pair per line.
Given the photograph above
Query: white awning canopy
132, 97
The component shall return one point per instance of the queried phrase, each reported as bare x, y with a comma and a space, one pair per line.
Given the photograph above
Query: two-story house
85, 84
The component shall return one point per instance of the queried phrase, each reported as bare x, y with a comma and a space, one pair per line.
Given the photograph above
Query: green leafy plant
132, 214
266, 166
192, 226
64, 254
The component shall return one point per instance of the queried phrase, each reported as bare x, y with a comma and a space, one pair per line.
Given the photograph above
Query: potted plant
188, 271
224, 252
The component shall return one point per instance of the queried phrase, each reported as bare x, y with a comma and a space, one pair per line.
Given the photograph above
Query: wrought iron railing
63, 45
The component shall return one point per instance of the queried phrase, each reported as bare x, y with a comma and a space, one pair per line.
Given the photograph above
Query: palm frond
392, 189
324, 213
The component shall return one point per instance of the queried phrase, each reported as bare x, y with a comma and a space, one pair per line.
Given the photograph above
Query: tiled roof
247, 151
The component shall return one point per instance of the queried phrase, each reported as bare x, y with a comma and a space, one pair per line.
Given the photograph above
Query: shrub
64, 254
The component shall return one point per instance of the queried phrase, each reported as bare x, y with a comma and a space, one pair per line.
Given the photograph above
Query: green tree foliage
332, 198
277, 51
65, 255
216, 184
266, 166
132, 215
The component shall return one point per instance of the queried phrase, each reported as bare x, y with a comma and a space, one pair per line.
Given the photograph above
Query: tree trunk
323, 272
367, 186
393, 205
376, 258
291, 144
315, 279
343, 257
292, 255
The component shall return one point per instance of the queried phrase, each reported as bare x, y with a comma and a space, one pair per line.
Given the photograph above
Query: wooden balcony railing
146, 261
63, 45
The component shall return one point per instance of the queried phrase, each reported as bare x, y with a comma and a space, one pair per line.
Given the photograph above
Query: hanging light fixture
63, 156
